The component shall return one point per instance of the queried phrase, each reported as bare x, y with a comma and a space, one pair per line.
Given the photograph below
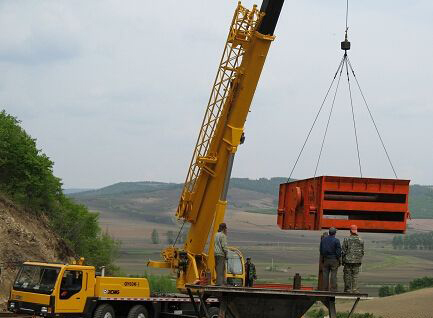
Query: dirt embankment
416, 304
23, 237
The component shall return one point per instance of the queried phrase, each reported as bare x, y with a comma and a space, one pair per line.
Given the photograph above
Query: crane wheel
104, 311
138, 311
213, 312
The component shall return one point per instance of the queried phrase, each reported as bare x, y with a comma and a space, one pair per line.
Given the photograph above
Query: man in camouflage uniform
352, 253
250, 273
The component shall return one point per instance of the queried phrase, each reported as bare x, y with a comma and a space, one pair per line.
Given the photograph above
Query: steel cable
315, 119
353, 119
372, 119
329, 119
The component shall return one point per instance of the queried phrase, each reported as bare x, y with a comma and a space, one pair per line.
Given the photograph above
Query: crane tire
213, 312
104, 311
138, 311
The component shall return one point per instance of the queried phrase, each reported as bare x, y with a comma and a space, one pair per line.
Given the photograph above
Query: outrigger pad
374, 205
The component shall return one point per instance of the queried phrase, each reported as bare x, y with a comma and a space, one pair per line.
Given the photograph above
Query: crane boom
204, 196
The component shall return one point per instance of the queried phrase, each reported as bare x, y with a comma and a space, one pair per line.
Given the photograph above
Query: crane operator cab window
234, 263
36, 279
72, 282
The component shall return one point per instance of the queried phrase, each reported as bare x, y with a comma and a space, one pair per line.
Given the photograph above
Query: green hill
28, 182
421, 202
156, 201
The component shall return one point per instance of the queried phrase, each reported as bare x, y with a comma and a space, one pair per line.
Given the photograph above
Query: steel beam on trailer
239, 302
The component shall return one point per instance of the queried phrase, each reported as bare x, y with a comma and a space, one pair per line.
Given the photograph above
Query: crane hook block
374, 205
345, 45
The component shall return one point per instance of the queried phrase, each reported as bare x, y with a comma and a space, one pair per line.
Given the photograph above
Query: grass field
290, 252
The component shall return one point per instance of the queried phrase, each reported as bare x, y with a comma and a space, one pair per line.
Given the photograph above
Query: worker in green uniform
250, 273
352, 253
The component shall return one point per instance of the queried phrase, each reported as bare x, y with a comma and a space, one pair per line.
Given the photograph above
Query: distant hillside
421, 201
73, 190
129, 187
156, 201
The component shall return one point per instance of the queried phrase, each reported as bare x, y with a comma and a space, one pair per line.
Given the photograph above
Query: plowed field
416, 304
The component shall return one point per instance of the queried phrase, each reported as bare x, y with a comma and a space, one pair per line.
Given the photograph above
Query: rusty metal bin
374, 205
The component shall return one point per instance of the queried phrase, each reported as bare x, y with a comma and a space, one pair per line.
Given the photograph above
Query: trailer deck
239, 302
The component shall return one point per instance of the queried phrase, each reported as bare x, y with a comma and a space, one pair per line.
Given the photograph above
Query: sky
116, 90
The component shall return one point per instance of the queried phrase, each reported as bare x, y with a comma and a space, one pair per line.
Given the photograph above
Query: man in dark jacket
330, 251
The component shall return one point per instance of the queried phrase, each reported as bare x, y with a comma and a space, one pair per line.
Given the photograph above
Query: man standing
250, 273
353, 251
220, 251
330, 251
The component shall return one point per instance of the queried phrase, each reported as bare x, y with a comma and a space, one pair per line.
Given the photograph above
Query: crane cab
51, 289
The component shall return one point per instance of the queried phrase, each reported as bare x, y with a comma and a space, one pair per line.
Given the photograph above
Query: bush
399, 289
159, 283
385, 291
26, 176
415, 284
423, 282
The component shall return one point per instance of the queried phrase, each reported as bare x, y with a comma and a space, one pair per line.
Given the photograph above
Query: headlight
44, 310
12, 305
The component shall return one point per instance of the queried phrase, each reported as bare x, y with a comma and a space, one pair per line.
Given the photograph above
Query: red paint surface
374, 205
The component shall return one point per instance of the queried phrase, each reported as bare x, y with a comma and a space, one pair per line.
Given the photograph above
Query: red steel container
374, 205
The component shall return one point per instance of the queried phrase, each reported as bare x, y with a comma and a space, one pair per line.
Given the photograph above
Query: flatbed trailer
6, 314
156, 306
238, 302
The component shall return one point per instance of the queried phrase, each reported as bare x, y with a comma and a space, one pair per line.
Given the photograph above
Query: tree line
415, 284
422, 241
26, 177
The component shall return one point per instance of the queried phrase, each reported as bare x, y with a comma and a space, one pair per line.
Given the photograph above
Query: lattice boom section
243, 26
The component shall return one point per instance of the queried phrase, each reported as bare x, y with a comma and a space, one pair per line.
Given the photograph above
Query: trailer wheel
138, 311
213, 312
104, 311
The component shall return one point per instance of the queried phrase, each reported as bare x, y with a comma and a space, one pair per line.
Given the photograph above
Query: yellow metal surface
121, 287
75, 302
223, 124
30, 297
158, 264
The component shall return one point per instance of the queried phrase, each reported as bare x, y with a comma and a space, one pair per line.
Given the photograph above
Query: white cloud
116, 90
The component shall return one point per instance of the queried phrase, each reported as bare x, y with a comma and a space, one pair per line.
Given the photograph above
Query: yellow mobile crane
63, 289
204, 197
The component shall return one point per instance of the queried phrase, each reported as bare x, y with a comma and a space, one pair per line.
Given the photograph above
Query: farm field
290, 252
416, 304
